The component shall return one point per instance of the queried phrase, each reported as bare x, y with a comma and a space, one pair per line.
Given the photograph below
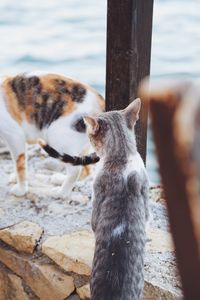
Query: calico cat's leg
17, 149
15, 139
13, 135
65, 191
21, 188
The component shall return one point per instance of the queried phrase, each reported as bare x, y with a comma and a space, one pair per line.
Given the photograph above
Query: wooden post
176, 125
129, 30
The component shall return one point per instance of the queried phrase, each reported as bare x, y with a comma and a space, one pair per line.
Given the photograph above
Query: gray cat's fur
120, 207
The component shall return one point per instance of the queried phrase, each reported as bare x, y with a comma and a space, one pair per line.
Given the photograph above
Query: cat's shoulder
135, 171
134, 164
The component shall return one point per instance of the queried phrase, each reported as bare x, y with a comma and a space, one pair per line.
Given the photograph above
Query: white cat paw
19, 190
12, 178
58, 179
58, 193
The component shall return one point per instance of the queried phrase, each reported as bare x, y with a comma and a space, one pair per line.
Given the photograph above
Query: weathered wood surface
175, 114
129, 30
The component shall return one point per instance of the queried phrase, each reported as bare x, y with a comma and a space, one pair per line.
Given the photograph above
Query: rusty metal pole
129, 31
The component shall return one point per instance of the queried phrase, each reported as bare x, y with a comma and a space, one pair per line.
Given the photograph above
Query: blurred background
69, 36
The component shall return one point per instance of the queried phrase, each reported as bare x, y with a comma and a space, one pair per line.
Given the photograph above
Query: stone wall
59, 267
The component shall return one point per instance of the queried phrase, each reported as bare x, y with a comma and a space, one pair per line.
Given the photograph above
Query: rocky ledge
46, 244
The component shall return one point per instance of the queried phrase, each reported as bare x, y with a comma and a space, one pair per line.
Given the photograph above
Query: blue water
69, 36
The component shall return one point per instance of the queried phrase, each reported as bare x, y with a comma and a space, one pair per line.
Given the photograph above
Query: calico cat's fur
120, 206
47, 106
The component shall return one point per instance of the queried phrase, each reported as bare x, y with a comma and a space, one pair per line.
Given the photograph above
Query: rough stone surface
11, 287
73, 252
153, 292
84, 292
16, 288
3, 286
46, 281
63, 283
159, 241
80, 280
73, 297
22, 236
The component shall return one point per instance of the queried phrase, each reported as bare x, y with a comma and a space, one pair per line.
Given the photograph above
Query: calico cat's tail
73, 160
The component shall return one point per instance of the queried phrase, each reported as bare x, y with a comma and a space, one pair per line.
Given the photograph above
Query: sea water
69, 36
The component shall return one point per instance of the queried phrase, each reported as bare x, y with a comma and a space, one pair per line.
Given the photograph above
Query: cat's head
114, 131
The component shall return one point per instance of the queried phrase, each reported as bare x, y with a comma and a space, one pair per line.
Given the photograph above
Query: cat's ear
132, 112
92, 124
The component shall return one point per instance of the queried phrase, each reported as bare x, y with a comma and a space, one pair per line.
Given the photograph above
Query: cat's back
116, 179
42, 99
119, 225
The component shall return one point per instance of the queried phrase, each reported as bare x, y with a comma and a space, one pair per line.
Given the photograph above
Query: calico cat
47, 106
120, 206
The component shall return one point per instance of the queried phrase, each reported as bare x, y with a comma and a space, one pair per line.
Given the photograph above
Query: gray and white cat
120, 206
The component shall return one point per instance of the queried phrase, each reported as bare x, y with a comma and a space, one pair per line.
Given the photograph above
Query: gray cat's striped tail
73, 160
